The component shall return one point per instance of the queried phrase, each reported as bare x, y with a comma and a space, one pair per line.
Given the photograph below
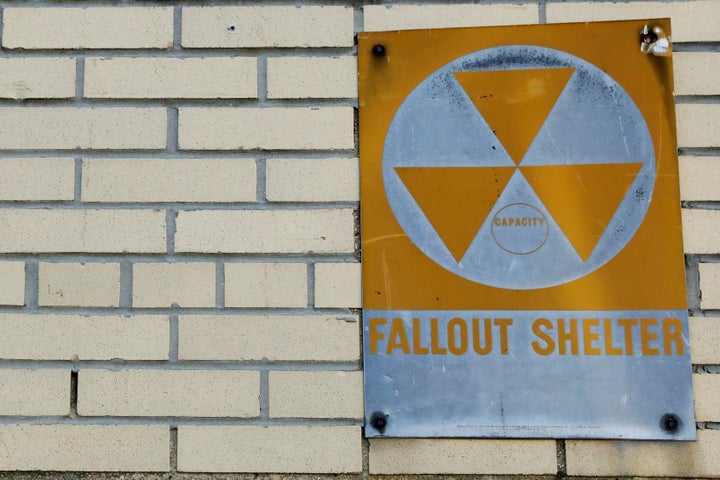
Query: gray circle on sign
532, 223
593, 122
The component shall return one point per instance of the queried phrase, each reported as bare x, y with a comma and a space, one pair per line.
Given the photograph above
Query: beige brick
693, 21
265, 231
312, 180
266, 285
700, 230
695, 71
316, 394
37, 179
267, 26
174, 393
212, 77
338, 285
22, 78
281, 449
90, 284
699, 178
12, 283
298, 338
705, 340
165, 284
169, 180
65, 337
402, 17
698, 125
34, 392
94, 27
106, 448
298, 128
710, 285
707, 390
453, 456
312, 77
652, 459
69, 128
82, 230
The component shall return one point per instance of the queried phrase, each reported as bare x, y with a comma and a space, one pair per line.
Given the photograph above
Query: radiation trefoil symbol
519, 167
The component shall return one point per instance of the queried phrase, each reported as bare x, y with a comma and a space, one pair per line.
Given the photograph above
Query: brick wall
178, 251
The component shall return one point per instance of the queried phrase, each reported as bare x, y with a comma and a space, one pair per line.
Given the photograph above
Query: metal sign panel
523, 270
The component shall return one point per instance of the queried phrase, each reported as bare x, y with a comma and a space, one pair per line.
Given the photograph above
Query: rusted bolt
379, 420
648, 37
670, 422
378, 50
653, 40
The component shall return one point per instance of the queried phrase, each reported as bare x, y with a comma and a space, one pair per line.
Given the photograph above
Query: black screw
670, 422
378, 50
649, 37
378, 420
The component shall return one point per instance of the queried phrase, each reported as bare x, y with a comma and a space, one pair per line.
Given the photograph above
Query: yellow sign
521, 234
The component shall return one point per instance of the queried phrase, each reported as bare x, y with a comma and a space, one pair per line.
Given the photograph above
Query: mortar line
73, 393
706, 369
177, 28
261, 174
185, 257
173, 451
155, 3
219, 52
692, 278
219, 284
359, 20
199, 153
210, 206
542, 12
264, 394
237, 154
262, 79
172, 129
126, 283
357, 244
174, 337
77, 188
177, 421
206, 103
79, 79
186, 365
709, 47
197, 103
561, 459
695, 99
170, 217
32, 283
700, 204
356, 132
340, 313
365, 453
698, 151
311, 284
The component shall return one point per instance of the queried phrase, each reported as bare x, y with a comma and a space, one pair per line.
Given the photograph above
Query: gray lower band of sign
525, 374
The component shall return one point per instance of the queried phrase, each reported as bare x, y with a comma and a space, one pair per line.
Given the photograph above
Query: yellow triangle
582, 198
455, 200
515, 103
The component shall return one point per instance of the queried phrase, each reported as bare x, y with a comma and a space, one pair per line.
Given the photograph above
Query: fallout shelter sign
522, 253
